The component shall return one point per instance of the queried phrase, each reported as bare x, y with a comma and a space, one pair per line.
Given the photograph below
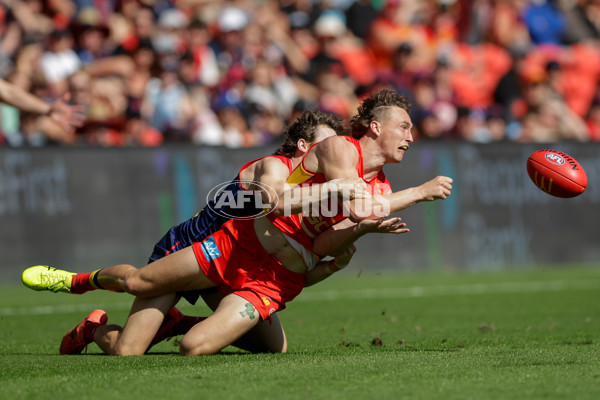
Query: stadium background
180, 93
82, 208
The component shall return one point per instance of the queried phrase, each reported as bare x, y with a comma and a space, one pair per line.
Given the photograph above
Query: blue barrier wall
85, 208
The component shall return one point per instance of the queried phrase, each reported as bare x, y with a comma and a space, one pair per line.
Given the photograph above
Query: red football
556, 173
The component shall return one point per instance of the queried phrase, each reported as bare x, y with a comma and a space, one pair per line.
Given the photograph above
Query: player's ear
375, 127
302, 145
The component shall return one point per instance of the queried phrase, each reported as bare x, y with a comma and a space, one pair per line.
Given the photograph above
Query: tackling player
267, 172
257, 267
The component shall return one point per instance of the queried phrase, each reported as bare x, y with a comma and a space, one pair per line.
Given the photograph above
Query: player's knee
283, 349
125, 350
200, 345
272, 348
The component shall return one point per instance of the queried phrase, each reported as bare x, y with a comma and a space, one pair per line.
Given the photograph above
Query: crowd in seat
235, 73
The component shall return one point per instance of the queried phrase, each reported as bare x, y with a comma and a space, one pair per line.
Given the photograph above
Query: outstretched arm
19, 98
324, 269
337, 238
338, 159
338, 241
383, 205
68, 116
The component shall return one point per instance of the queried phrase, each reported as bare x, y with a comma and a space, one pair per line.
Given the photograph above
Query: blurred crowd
235, 73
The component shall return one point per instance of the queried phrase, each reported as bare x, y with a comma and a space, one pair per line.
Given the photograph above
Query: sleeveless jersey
208, 220
305, 227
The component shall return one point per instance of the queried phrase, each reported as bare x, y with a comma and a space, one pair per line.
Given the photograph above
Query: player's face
396, 135
321, 133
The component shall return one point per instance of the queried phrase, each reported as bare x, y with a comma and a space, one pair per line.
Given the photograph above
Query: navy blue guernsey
208, 220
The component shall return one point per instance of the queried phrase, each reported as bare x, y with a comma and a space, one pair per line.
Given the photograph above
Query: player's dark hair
374, 108
304, 127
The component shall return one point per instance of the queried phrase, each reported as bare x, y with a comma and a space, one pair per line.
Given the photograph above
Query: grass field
530, 334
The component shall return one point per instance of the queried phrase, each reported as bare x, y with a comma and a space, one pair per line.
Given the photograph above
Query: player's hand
383, 225
343, 259
67, 116
438, 188
351, 188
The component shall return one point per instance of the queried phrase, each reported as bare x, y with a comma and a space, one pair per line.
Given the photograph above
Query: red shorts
234, 259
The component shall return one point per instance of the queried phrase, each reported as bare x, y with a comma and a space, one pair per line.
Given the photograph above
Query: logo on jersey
232, 201
210, 249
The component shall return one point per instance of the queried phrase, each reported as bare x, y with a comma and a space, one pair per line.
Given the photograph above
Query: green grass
527, 334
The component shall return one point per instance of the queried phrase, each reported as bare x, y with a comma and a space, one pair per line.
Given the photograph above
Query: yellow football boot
43, 277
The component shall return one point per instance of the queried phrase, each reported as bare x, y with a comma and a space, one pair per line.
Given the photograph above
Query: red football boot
80, 336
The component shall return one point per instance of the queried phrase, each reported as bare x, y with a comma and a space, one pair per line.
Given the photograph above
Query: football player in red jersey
268, 172
256, 266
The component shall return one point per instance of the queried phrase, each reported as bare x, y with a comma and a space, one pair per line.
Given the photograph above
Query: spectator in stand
230, 73
138, 25
545, 22
59, 61
580, 28
228, 45
269, 91
508, 95
359, 17
144, 61
399, 76
91, 36
167, 105
548, 118
205, 68
235, 130
396, 24
328, 72
478, 126
138, 132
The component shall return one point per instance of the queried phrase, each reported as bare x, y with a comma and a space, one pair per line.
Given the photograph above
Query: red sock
81, 283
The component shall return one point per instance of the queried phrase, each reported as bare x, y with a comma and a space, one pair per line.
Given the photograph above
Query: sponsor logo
265, 301
555, 159
210, 249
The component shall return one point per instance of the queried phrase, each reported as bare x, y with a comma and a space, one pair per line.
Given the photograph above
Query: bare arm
338, 159
325, 269
337, 238
68, 116
381, 206
272, 174
24, 101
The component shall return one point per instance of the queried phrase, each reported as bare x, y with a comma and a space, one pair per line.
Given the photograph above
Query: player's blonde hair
375, 108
